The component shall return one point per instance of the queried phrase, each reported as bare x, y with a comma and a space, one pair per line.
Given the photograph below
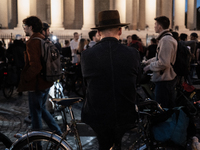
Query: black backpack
182, 64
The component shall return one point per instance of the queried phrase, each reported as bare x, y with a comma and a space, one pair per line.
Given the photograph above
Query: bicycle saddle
67, 101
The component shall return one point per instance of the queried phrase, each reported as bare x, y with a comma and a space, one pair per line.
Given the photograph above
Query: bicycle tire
8, 91
5, 140
54, 142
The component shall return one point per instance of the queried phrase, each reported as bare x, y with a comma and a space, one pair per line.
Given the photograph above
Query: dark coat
66, 52
110, 71
31, 79
15, 53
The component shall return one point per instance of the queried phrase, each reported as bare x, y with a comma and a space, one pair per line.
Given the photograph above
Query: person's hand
144, 62
147, 68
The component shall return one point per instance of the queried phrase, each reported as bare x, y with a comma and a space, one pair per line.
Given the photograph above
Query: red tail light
5, 73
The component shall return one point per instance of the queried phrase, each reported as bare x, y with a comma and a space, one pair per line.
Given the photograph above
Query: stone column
120, 5
4, 11
88, 14
129, 8
158, 8
33, 8
142, 16
166, 10
191, 14
131, 14
69, 12
23, 10
134, 14
57, 15
111, 4
150, 13
179, 14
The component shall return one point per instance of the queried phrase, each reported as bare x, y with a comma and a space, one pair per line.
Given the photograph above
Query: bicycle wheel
5, 140
139, 142
38, 140
8, 90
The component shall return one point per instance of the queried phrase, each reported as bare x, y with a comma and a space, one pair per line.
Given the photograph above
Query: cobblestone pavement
14, 110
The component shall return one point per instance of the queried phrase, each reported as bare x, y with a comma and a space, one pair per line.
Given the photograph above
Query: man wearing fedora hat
110, 72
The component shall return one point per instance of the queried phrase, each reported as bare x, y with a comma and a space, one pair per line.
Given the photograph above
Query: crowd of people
110, 70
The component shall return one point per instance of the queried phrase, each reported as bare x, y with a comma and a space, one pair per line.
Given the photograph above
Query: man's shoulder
66, 48
33, 41
167, 38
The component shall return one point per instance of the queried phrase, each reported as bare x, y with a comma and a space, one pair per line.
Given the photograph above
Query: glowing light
54, 38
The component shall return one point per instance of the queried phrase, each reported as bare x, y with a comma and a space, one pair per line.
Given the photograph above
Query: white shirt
74, 45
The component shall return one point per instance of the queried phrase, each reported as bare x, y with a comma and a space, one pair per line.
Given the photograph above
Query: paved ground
14, 110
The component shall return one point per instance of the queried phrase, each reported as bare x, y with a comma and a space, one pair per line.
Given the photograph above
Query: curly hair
35, 22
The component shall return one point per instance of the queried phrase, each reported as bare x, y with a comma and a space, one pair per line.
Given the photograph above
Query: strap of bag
41, 44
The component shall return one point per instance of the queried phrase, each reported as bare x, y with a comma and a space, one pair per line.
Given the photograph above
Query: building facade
67, 16
82, 14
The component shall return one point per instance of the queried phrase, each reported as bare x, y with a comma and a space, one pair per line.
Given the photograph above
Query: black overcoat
110, 71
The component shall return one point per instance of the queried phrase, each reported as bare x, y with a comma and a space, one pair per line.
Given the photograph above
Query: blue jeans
165, 93
37, 101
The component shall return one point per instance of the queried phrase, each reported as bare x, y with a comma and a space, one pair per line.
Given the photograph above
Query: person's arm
192, 45
197, 56
164, 55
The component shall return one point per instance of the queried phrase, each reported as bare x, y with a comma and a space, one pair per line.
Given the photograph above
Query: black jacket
15, 53
110, 71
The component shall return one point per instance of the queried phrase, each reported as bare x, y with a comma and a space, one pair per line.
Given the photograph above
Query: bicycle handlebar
151, 102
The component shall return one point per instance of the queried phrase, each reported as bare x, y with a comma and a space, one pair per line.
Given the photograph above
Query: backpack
182, 64
174, 128
51, 65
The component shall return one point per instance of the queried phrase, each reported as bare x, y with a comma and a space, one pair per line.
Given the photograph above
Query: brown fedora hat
109, 19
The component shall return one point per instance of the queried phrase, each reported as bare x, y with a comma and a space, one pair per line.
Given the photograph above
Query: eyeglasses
24, 25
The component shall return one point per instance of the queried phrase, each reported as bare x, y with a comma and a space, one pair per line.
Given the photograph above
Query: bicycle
71, 79
145, 140
7, 79
187, 98
64, 109
49, 140
5, 140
